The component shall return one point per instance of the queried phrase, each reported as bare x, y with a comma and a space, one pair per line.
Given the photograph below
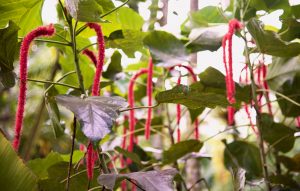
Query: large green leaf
290, 29
16, 10
282, 70
277, 135
129, 41
39, 166
202, 18
291, 90
8, 47
208, 38
114, 66
14, 175
31, 19
210, 92
165, 48
269, 42
88, 10
180, 149
240, 154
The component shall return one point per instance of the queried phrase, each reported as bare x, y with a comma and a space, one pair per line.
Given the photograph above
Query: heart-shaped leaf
150, 180
96, 114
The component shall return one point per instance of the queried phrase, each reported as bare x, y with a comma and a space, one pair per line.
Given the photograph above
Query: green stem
71, 155
141, 107
258, 117
49, 41
61, 78
76, 60
50, 82
281, 95
79, 51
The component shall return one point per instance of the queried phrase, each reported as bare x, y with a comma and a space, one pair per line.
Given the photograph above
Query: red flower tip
91, 55
38, 32
90, 161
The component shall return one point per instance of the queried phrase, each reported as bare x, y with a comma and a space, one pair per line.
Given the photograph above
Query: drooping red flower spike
298, 121
91, 55
230, 116
100, 60
38, 32
178, 115
266, 87
131, 104
149, 95
196, 123
90, 161
250, 119
230, 85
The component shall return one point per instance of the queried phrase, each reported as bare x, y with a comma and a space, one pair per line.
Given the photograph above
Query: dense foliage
91, 122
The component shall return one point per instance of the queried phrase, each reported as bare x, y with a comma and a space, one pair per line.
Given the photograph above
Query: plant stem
76, 60
71, 154
142, 107
50, 82
258, 116
50, 41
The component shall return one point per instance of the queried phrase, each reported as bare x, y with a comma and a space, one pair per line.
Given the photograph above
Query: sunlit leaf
88, 10
96, 114
150, 180
14, 175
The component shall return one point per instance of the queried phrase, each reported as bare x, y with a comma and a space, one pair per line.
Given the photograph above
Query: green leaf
282, 70
58, 172
290, 29
31, 19
88, 10
8, 47
134, 157
129, 41
209, 38
16, 10
7, 79
270, 43
244, 155
291, 90
39, 166
194, 113
293, 164
54, 116
286, 180
114, 66
165, 48
210, 92
202, 18
14, 175
277, 135
180, 149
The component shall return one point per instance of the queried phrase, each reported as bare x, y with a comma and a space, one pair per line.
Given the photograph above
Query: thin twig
71, 154
141, 107
49, 41
50, 82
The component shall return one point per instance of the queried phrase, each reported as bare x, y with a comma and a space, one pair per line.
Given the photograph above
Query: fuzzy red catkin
90, 161
178, 114
38, 32
266, 87
149, 94
131, 105
230, 116
91, 55
101, 55
298, 121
